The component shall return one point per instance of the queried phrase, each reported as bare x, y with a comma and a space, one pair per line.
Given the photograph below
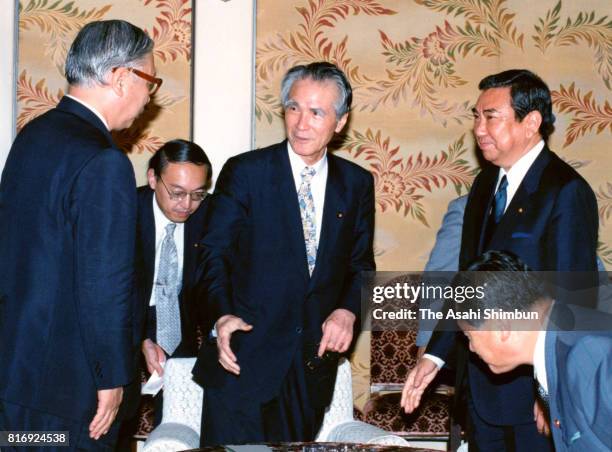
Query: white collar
89, 107
517, 172
297, 164
539, 360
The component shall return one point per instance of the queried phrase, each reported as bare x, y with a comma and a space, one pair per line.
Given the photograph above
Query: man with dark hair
570, 348
67, 229
171, 211
529, 202
289, 234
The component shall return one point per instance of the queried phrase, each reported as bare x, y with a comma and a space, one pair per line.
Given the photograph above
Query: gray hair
320, 71
103, 45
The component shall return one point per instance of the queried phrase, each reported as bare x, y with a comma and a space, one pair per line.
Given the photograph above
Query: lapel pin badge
520, 210
339, 215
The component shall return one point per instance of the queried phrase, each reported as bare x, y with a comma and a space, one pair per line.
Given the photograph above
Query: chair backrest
393, 347
182, 395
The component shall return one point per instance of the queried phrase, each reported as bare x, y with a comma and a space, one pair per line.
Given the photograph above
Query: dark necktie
499, 204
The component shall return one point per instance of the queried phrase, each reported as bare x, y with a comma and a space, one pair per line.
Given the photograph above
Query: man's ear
118, 81
341, 123
152, 178
533, 120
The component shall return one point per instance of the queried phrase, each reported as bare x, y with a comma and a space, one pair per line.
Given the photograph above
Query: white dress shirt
539, 360
517, 172
160, 232
89, 107
317, 184
515, 176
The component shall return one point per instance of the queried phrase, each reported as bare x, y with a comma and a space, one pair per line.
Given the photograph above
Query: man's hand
540, 418
226, 325
154, 355
416, 383
108, 405
337, 332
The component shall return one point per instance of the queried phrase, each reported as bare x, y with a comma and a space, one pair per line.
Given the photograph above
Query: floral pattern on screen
415, 67
46, 30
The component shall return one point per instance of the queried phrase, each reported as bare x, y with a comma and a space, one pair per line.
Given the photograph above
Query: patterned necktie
543, 396
166, 294
499, 204
307, 212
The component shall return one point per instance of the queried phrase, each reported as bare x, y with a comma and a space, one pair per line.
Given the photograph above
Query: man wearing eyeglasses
68, 338
171, 212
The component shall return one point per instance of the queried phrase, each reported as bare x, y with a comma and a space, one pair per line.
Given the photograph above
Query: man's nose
479, 127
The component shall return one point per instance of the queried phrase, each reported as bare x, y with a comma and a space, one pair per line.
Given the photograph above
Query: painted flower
434, 48
391, 185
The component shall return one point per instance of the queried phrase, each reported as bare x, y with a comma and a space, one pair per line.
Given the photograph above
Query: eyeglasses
153, 82
196, 196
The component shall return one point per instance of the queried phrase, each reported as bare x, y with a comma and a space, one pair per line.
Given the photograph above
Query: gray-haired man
290, 232
67, 227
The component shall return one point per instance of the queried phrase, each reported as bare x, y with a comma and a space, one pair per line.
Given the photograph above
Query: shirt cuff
437, 361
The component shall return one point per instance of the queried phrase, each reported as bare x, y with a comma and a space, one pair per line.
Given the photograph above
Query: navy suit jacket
551, 224
579, 377
67, 227
190, 298
255, 267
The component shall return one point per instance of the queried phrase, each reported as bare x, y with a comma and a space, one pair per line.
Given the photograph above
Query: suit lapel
482, 206
520, 201
286, 197
334, 212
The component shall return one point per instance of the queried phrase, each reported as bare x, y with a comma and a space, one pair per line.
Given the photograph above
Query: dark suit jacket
190, 297
551, 224
67, 227
255, 266
579, 376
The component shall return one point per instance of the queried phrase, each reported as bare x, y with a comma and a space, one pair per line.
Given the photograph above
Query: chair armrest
361, 432
171, 436
341, 407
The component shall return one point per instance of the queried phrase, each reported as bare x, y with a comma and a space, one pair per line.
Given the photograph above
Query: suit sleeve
571, 239
226, 218
104, 205
588, 379
362, 254
444, 257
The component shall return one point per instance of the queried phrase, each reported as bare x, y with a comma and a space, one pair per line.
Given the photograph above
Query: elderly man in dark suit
67, 228
529, 202
289, 232
569, 347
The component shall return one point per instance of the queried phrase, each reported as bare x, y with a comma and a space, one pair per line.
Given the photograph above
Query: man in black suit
178, 175
67, 229
289, 234
529, 202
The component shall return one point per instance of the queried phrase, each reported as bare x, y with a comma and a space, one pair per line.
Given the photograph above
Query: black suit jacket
551, 224
67, 228
191, 299
255, 267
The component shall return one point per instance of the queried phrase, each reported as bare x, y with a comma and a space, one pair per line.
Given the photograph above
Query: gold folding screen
46, 29
415, 66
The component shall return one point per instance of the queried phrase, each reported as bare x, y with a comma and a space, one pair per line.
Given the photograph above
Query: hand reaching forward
108, 406
417, 381
337, 332
226, 325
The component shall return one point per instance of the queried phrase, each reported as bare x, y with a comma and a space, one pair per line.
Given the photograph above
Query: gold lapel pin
520, 210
